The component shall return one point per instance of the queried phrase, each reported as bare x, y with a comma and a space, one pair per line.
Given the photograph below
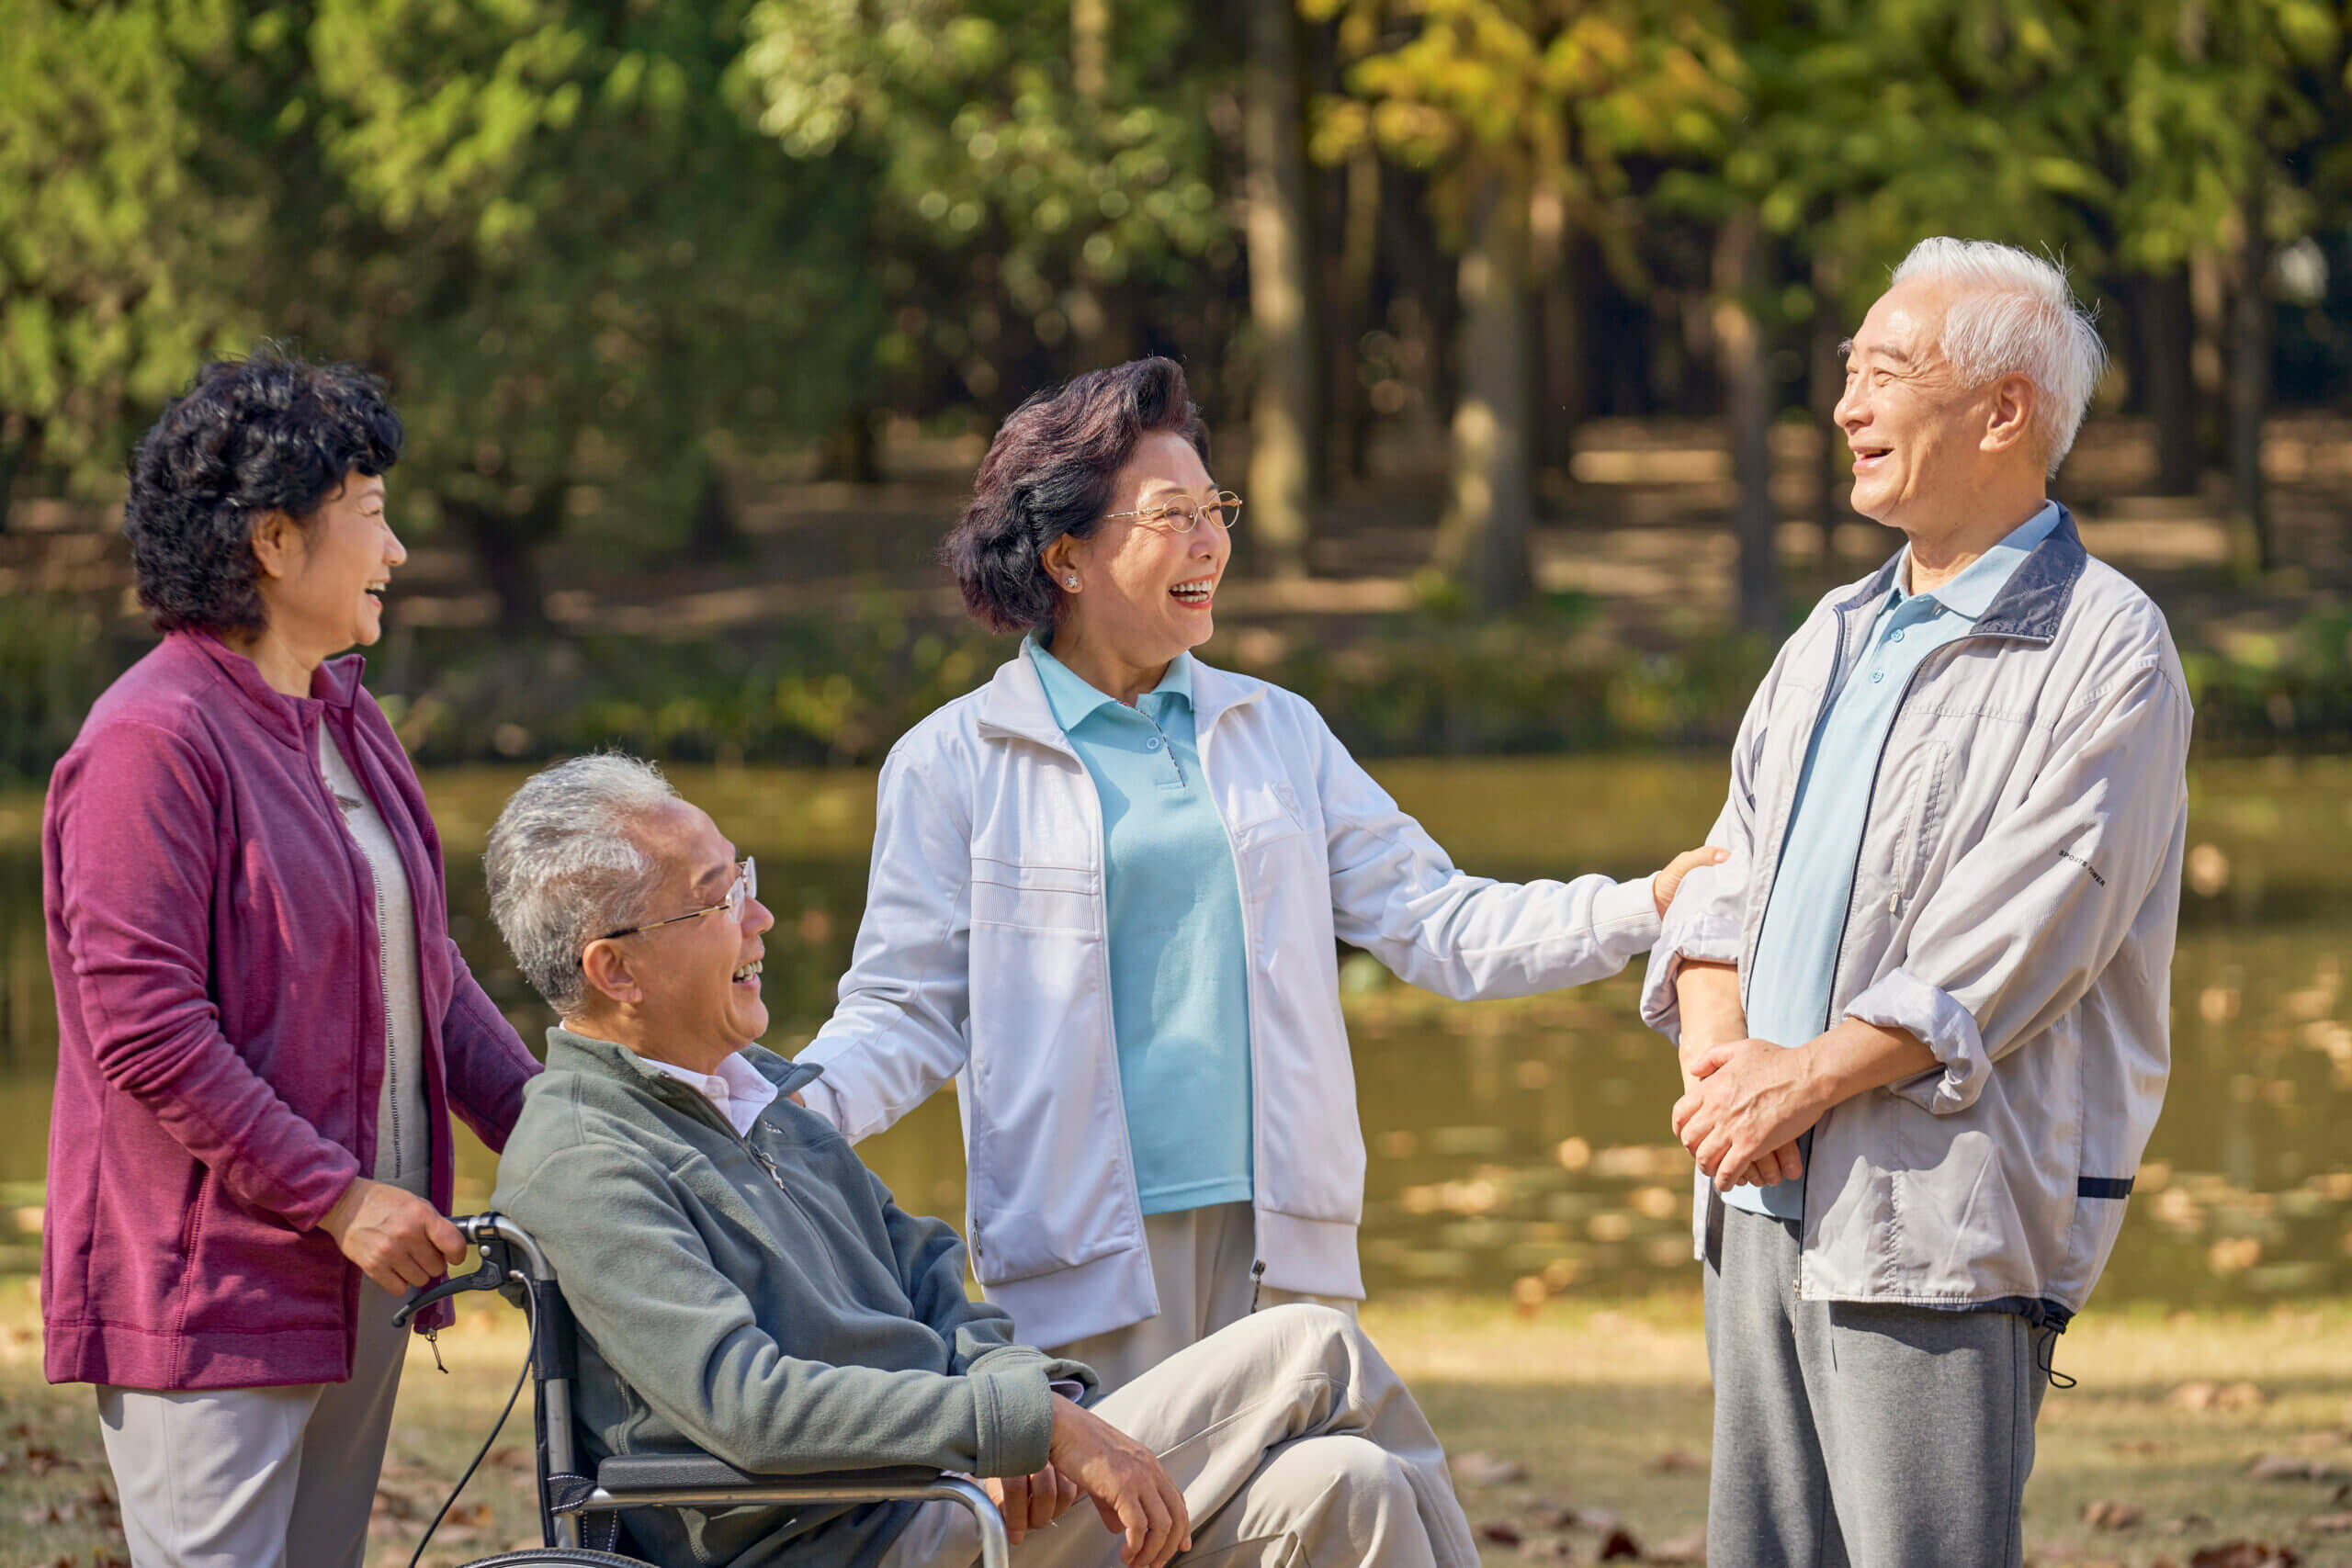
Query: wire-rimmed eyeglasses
1181, 517
741, 891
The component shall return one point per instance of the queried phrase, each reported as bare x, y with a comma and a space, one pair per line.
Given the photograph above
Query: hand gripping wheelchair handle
510, 1262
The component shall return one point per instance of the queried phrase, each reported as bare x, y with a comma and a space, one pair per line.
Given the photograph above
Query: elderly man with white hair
1922, 1008
745, 1288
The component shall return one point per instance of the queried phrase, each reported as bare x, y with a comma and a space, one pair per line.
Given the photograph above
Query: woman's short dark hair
265, 433
1048, 473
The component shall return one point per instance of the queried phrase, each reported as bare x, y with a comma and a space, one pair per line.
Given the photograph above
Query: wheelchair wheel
557, 1557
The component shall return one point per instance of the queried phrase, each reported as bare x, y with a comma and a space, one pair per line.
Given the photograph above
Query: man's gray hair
2015, 316
565, 867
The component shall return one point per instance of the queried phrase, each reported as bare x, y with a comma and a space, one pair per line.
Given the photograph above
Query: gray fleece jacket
760, 1299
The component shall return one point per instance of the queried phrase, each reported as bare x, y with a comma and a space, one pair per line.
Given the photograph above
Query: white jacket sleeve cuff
1624, 916
1903, 1000
1705, 938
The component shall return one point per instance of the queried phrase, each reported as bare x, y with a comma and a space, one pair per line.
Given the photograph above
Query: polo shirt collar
1075, 699
1972, 591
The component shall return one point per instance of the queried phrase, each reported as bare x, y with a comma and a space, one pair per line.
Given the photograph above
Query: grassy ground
1583, 1421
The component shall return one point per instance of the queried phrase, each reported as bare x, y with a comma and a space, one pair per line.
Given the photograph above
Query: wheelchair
576, 1508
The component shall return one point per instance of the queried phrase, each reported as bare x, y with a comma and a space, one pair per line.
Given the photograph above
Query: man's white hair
565, 866
2014, 315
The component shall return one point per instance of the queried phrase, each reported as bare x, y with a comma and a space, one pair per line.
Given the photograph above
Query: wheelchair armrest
652, 1472
698, 1481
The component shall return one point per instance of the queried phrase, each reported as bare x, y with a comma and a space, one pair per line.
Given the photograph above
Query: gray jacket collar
597, 1058
1013, 702
2030, 605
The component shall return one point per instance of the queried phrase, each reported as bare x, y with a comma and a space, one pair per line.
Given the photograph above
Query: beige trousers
264, 1477
1200, 1261
257, 1477
1294, 1445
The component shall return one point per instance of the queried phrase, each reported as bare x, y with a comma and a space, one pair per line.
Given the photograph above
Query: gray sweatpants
1294, 1443
1852, 1434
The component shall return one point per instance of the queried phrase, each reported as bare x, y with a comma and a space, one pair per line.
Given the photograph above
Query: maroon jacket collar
334, 686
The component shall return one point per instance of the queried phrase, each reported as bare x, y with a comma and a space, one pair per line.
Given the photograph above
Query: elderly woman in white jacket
1106, 893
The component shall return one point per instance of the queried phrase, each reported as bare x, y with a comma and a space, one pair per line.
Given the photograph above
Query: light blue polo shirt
1796, 953
1180, 1002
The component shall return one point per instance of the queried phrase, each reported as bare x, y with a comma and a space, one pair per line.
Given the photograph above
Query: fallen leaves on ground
2105, 1514
1481, 1469
1691, 1548
2202, 1395
2245, 1554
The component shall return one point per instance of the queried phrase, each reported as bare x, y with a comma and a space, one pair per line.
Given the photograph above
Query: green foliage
1024, 155
122, 223
2117, 131
555, 226
1557, 94
52, 668
2291, 689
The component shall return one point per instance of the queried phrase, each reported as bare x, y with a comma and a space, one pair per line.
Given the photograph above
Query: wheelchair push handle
509, 1257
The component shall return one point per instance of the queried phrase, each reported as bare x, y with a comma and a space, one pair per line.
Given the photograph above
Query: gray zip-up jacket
761, 1299
2013, 905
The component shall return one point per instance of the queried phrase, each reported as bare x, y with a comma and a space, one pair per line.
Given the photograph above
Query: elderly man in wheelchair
749, 1299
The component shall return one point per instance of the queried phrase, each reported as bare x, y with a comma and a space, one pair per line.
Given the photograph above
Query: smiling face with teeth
1932, 455
1143, 594
687, 992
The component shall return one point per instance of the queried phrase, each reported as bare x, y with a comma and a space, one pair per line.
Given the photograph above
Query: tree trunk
713, 535
1483, 542
506, 544
1743, 363
1433, 288
853, 452
1826, 367
1350, 413
1560, 377
2250, 363
2167, 327
1283, 417
19, 454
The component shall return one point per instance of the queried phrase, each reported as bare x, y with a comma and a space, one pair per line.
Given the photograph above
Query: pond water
1522, 1147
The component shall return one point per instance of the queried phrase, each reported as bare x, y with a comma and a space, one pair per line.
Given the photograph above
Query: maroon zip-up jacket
221, 1019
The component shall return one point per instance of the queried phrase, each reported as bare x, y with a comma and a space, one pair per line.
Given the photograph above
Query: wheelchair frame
513, 1265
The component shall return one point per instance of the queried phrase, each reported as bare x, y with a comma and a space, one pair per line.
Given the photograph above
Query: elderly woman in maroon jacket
264, 1023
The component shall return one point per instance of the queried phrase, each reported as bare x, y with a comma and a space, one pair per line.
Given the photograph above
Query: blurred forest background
1516, 320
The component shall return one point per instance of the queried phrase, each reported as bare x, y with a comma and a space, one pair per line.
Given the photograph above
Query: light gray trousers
1294, 1445
1852, 1435
264, 1477
1200, 1267
257, 1477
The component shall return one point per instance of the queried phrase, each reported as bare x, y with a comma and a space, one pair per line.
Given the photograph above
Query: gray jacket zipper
1846, 922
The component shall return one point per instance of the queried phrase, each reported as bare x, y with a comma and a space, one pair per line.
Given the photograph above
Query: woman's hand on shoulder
1663, 885
398, 1239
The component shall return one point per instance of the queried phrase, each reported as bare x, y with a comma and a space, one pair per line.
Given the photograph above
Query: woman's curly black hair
1048, 473
265, 433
